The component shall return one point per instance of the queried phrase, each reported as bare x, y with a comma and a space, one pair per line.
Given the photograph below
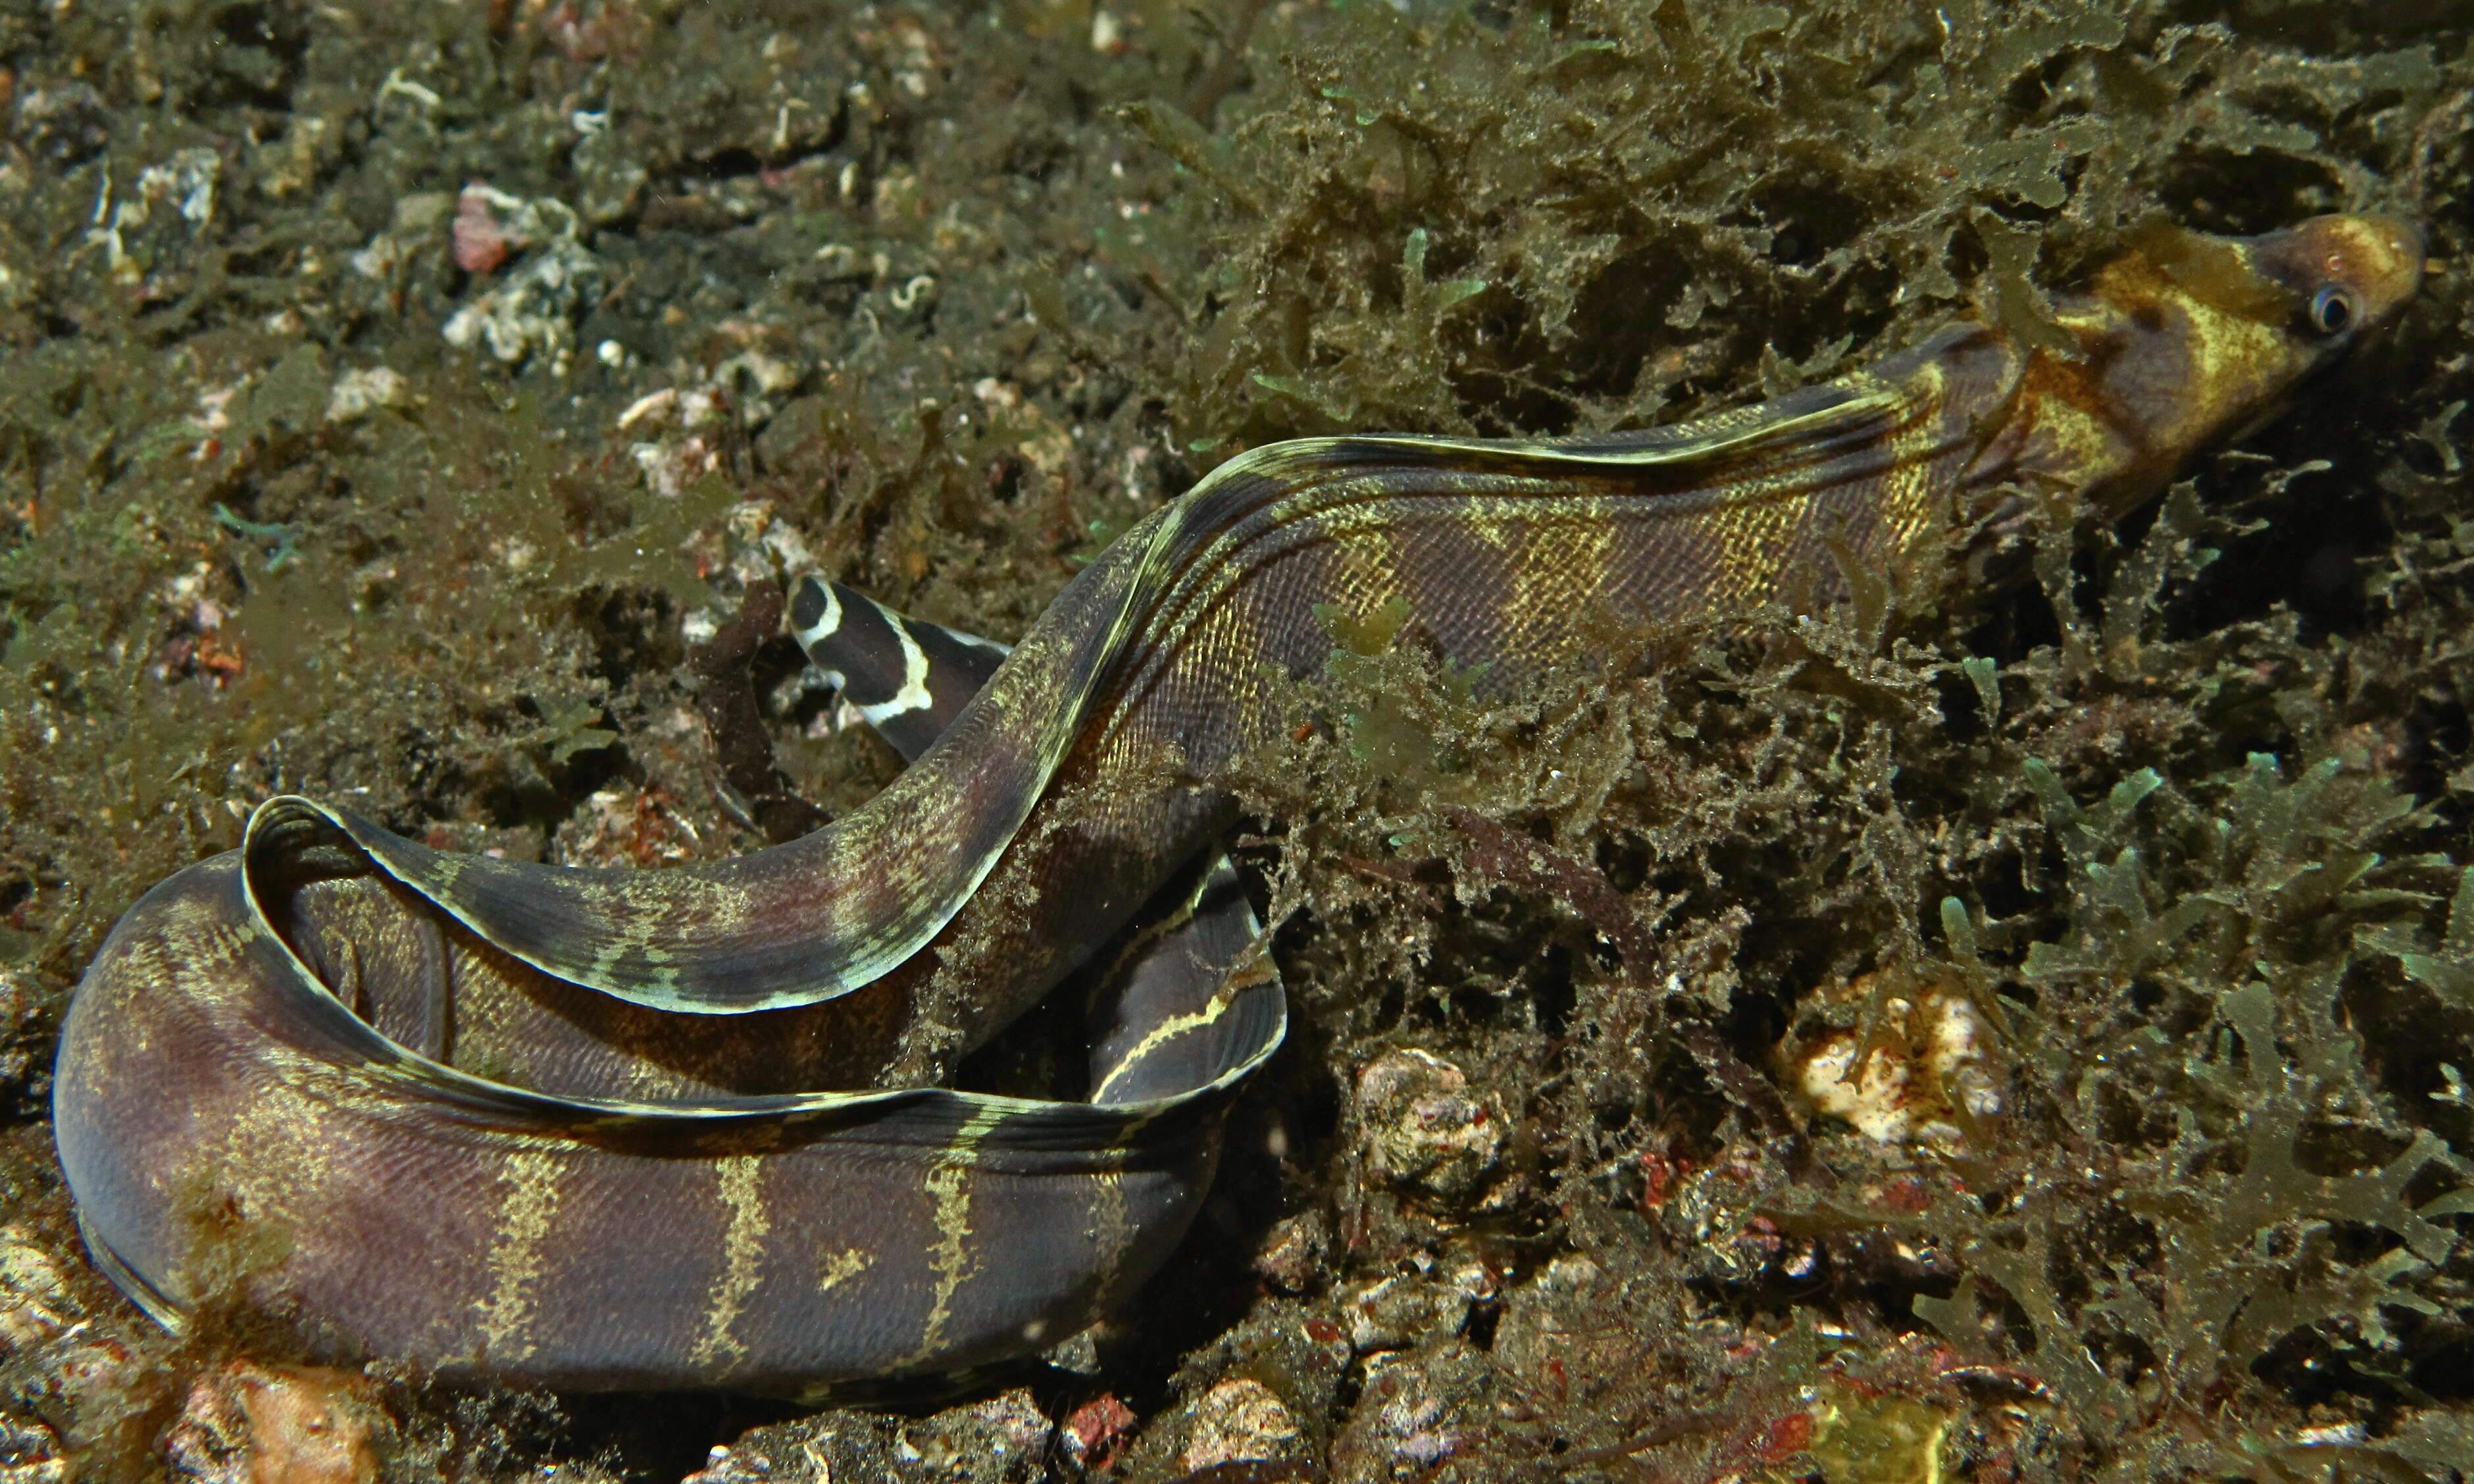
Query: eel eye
2335, 309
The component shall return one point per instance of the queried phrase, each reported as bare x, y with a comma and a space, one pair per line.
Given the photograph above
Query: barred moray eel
564, 1126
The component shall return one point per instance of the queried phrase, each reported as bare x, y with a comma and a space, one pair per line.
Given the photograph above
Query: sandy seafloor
394, 394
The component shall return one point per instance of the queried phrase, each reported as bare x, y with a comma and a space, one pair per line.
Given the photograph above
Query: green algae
974, 285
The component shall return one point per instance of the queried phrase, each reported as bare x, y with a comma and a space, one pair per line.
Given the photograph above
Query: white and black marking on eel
1139, 1032
909, 678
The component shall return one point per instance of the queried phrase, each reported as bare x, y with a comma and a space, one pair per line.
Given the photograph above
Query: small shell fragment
1425, 1130
1240, 1421
1930, 1075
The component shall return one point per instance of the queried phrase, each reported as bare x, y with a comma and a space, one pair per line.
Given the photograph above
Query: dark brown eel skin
574, 1127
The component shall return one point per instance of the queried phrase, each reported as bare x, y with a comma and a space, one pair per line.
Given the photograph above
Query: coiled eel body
570, 1127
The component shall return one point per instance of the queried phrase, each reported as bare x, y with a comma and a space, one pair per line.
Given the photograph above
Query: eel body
677, 1128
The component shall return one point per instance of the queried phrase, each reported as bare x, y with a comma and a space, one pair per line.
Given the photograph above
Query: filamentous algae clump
402, 402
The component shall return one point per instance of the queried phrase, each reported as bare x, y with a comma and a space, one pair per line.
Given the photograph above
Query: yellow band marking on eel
742, 1253
1907, 507
530, 1179
1167, 1029
840, 1267
1111, 1229
949, 1185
